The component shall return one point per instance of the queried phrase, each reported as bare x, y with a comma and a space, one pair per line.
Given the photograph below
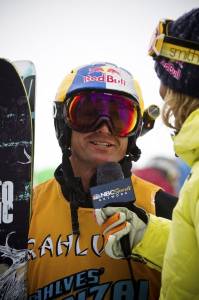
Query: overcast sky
58, 35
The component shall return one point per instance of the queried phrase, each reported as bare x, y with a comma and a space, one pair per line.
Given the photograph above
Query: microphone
149, 116
113, 190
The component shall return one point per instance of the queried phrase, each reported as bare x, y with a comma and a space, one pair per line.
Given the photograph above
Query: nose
103, 128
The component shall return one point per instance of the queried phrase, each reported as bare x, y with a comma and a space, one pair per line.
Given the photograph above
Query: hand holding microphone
119, 222
123, 223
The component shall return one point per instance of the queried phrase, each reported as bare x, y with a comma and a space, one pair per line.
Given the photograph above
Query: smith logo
105, 78
186, 55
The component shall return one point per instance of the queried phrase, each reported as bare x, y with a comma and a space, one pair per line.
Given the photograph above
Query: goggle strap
164, 45
178, 53
58, 110
174, 48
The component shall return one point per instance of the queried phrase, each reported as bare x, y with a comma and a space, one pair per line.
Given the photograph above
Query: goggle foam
86, 111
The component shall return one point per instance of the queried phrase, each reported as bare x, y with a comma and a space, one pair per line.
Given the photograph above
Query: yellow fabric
153, 241
181, 262
140, 97
186, 143
145, 190
64, 86
181, 258
61, 264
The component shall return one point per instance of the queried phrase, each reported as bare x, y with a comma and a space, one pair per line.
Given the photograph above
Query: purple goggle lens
88, 110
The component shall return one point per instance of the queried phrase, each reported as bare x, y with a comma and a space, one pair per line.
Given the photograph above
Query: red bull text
105, 78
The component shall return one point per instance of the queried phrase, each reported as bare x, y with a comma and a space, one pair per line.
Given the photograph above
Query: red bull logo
105, 78
170, 68
96, 70
113, 71
110, 75
104, 70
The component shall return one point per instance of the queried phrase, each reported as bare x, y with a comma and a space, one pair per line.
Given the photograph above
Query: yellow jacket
181, 259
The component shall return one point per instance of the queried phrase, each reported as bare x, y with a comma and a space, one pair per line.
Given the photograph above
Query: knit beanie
180, 76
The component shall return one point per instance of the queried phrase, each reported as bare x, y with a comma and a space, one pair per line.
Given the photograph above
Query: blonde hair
178, 107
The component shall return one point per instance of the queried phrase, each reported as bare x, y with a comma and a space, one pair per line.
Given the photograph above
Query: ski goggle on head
162, 44
88, 110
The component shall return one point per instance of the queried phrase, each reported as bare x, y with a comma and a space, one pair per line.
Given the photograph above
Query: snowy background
58, 35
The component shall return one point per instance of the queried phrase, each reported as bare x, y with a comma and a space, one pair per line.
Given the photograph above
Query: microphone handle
126, 248
125, 245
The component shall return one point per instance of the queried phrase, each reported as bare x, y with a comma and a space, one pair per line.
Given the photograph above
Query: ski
27, 72
16, 157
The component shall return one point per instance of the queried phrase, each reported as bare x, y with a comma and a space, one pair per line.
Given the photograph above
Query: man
98, 117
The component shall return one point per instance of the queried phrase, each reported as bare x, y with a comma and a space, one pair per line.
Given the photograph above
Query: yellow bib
63, 265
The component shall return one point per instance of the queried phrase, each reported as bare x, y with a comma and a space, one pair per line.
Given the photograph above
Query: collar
186, 142
73, 185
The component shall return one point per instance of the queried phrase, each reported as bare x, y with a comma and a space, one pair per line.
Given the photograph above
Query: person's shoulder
42, 191
164, 202
145, 192
145, 183
44, 186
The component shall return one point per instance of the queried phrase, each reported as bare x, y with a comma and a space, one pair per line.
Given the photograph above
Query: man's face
100, 146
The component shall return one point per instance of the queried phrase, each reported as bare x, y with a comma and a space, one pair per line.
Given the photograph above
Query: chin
100, 161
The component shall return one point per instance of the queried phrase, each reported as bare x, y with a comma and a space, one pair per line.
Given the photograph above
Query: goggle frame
108, 119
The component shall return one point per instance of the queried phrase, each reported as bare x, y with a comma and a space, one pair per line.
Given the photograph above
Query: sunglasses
86, 111
162, 44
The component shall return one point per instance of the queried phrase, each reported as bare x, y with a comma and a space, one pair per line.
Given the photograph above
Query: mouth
102, 144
